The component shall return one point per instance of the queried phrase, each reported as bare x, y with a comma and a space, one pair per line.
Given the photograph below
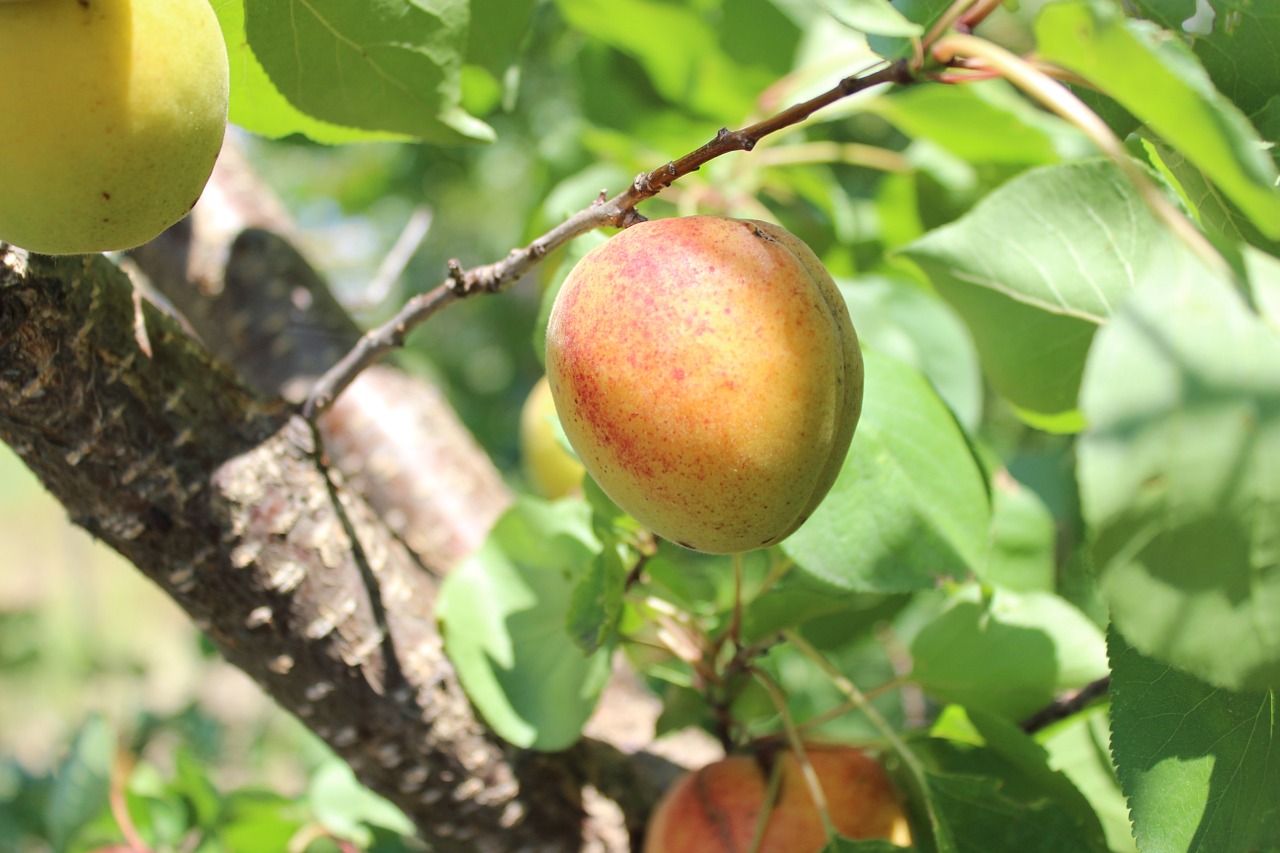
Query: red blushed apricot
717, 809
708, 376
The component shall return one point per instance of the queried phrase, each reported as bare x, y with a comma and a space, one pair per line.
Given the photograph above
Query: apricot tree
1042, 589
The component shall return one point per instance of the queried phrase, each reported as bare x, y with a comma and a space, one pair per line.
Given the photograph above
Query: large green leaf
980, 123
1023, 538
258, 106
922, 12
680, 49
1197, 763
1070, 239
900, 319
1159, 80
503, 612
910, 504
1007, 653
874, 17
391, 65
1263, 272
497, 28
1180, 480
1037, 264
1080, 747
1221, 220
1237, 41
993, 789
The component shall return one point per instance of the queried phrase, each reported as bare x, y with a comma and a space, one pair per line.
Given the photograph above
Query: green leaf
258, 106
393, 66
910, 504
348, 809
922, 12
259, 821
679, 47
160, 812
906, 322
1198, 763
1237, 41
1079, 748
810, 692
1023, 537
191, 781
595, 605
81, 782
1180, 480
504, 612
984, 122
874, 17
1263, 272
993, 789
497, 28
1074, 239
1007, 653
1221, 220
1159, 80
800, 596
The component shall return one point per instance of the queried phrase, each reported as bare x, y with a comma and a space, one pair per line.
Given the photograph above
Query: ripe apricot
708, 376
114, 114
717, 808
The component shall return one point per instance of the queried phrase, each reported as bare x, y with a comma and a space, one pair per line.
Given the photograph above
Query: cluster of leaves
100, 799
1066, 468
1068, 465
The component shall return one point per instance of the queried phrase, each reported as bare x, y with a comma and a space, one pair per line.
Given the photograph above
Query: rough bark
233, 274
309, 554
225, 502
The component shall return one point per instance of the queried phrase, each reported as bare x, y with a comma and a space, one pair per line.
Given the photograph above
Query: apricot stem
946, 21
770, 798
908, 758
735, 623
797, 746
851, 153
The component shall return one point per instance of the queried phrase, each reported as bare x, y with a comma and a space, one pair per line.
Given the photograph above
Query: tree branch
619, 212
223, 500
232, 272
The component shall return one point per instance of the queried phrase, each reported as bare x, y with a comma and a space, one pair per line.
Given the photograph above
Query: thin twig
797, 746
395, 261
618, 212
1067, 705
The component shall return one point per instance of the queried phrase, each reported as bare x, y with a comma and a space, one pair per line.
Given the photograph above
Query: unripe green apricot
708, 376
552, 471
114, 112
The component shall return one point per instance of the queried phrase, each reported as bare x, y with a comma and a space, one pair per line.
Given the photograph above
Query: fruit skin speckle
709, 377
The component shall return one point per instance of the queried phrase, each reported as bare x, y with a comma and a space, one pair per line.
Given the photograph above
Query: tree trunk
241, 511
